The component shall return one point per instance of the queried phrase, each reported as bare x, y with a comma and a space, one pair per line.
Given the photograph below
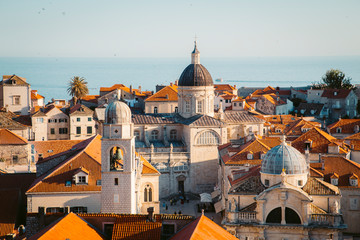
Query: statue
335, 207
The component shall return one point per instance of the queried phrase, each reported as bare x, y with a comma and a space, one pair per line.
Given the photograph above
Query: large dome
195, 75
117, 112
285, 157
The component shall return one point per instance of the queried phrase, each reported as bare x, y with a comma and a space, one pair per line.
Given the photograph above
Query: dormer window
81, 176
262, 155
356, 129
334, 179
250, 155
353, 180
338, 130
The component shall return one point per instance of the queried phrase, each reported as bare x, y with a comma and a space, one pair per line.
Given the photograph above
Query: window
300, 182
78, 130
181, 166
89, 119
137, 135
98, 182
334, 181
68, 184
187, 106
81, 180
148, 194
89, 130
234, 104
52, 130
176, 109
63, 130
116, 181
162, 167
353, 182
78, 209
267, 182
78, 119
16, 100
154, 135
54, 210
155, 110
173, 134
250, 156
199, 107
40, 120
356, 129
116, 198
15, 158
62, 120
354, 203
338, 130
207, 138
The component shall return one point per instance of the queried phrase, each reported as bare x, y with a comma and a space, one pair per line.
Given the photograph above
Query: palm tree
77, 88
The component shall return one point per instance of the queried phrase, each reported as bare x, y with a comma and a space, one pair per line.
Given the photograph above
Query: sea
51, 76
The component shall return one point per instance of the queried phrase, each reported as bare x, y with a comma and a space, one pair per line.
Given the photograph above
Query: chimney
322, 162
176, 82
140, 89
131, 90
150, 211
67, 210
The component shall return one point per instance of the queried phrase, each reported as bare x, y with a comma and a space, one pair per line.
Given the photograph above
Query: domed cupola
287, 159
117, 112
195, 74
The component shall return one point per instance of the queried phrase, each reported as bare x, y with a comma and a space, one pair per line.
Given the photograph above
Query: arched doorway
181, 184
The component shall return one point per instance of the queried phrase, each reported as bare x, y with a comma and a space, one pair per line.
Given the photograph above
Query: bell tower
118, 167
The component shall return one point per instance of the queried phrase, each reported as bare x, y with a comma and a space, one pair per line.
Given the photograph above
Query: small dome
285, 157
195, 75
117, 112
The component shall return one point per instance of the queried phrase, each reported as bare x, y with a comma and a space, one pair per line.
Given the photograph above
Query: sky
157, 29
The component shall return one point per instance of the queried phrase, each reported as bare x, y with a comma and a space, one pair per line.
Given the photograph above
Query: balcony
241, 217
327, 220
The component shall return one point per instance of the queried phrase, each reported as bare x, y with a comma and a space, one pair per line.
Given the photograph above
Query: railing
242, 217
331, 220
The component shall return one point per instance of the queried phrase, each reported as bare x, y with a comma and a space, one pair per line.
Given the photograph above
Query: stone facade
15, 154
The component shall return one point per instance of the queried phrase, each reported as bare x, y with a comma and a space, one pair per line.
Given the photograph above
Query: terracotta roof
124, 88
253, 172
35, 95
88, 156
347, 126
6, 121
297, 127
90, 98
136, 228
200, 120
9, 203
147, 167
224, 87
9, 138
316, 210
249, 208
24, 120
238, 99
166, 94
320, 141
316, 173
69, 227
8, 79
275, 100
241, 117
343, 167
53, 147
203, 229
336, 93
80, 109
355, 136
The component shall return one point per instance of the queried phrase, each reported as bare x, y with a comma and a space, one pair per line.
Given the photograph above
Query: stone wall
8, 152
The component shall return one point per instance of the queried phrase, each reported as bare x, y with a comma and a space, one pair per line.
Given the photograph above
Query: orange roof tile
166, 94
147, 167
69, 227
35, 95
126, 89
53, 147
7, 137
223, 87
90, 97
346, 125
343, 167
203, 229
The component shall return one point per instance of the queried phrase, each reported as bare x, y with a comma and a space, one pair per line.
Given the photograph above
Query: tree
77, 88
334, 79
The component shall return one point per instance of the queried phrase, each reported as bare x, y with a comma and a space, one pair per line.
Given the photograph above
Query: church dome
284, 157
195, 75
117, 112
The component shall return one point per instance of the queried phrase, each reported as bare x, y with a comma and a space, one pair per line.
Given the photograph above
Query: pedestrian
180, 212
175, 212
166, 207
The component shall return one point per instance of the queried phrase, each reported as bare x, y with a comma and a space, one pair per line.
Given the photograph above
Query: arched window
338, 130
155, 110
137, 135
176, 109
173, 134
155, 135
207, 138
116, 159
147, 193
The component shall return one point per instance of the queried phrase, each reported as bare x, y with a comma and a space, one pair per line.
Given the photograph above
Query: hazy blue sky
86, 28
